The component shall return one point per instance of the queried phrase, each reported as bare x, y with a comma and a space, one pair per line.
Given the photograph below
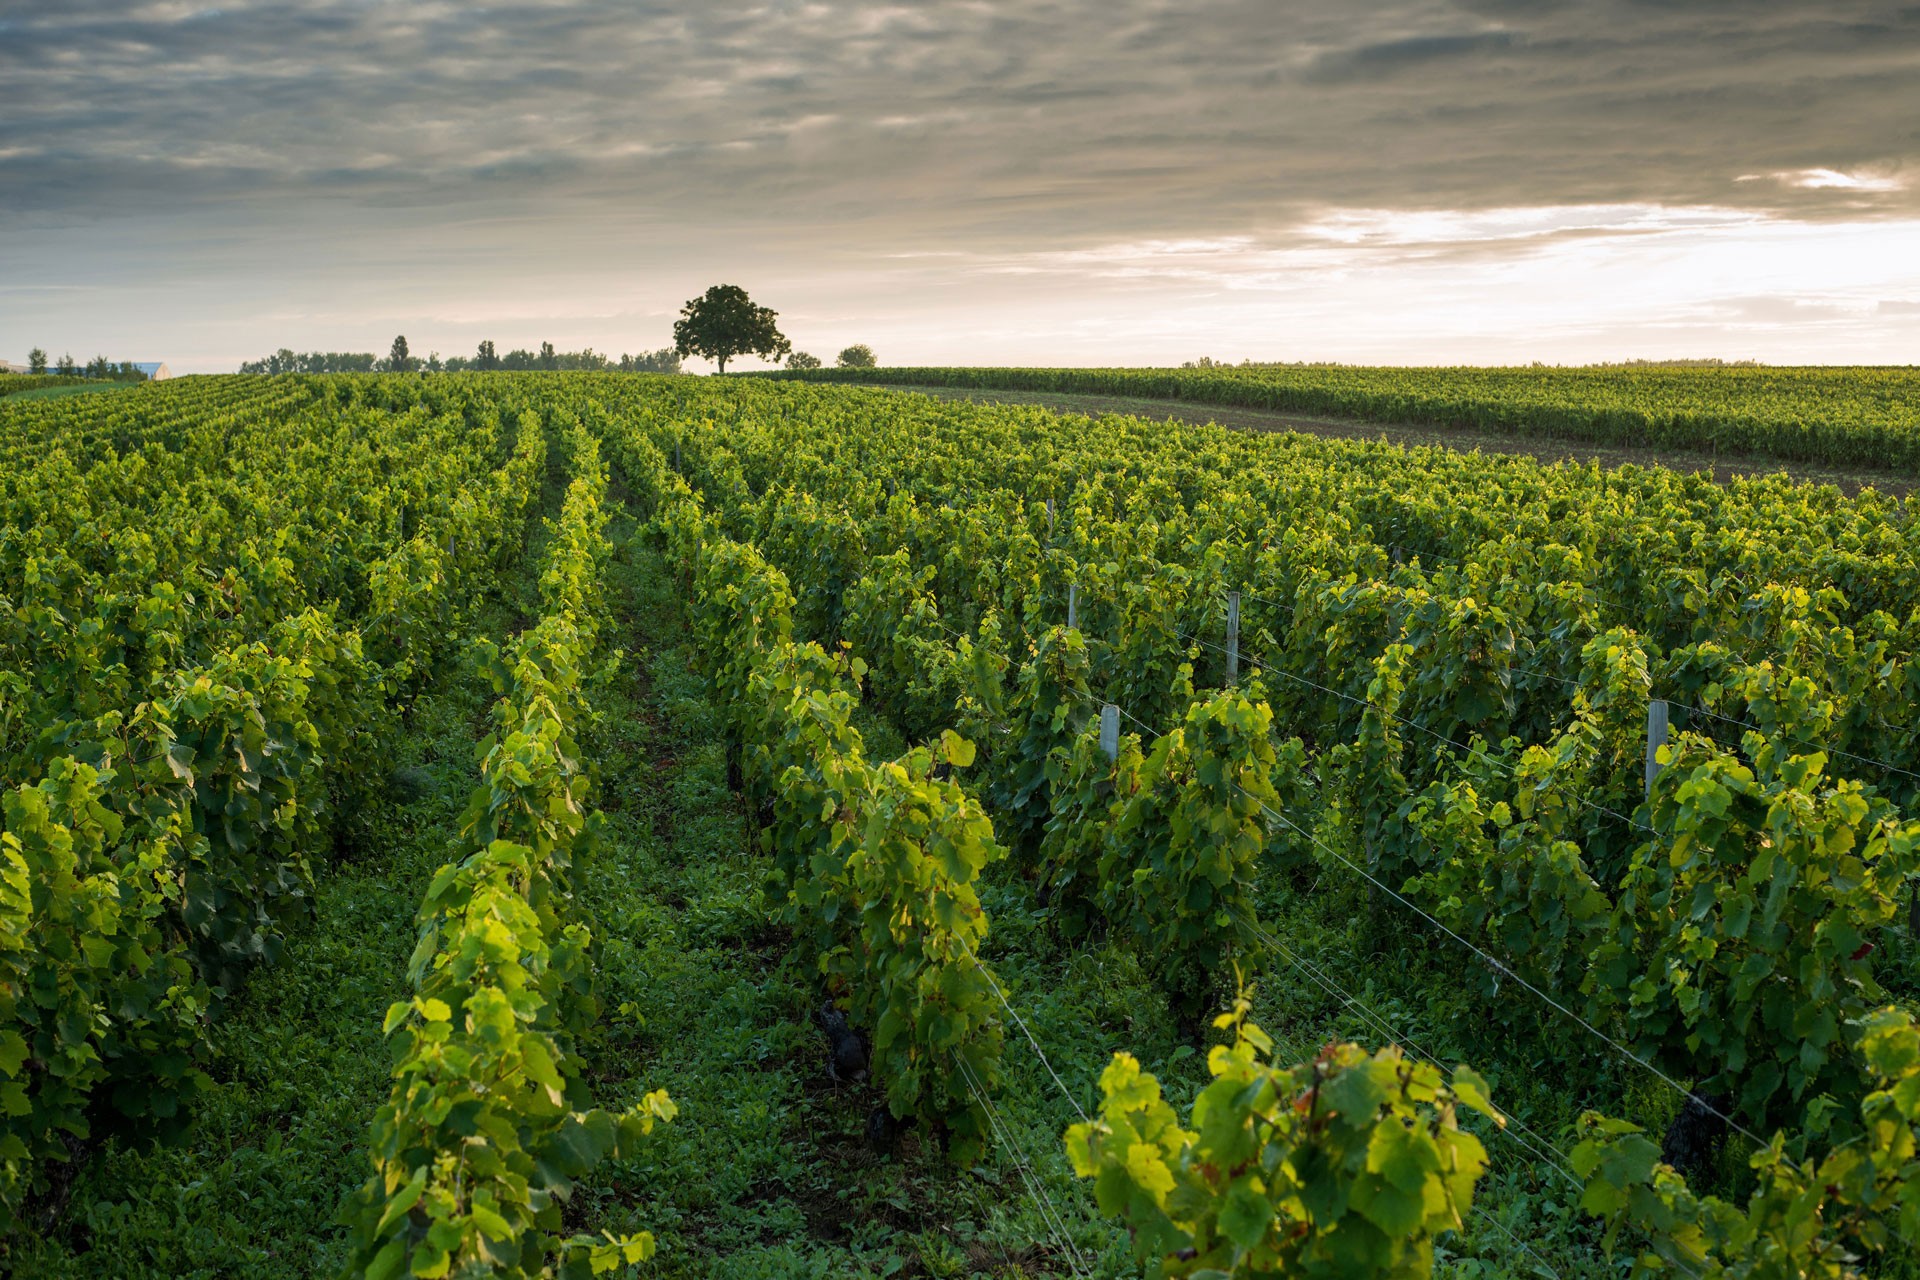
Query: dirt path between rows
1724, 469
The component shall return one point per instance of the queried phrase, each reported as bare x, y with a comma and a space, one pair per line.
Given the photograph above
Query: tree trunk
723, 364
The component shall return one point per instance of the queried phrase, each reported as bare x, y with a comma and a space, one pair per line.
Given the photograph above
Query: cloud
1125, 113
1770, 311
1823, 179
1449, 228
1405, 54
258, 145
1828, 180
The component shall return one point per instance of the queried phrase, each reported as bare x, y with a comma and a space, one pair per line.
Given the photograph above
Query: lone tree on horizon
398, 359
857, 356
723, 323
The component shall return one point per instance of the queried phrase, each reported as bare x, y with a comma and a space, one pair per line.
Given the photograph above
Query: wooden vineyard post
1656, 738
1073, 605
1233, 637
1110, 731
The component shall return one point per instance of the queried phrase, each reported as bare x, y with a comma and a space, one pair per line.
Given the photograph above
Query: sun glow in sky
1128, 182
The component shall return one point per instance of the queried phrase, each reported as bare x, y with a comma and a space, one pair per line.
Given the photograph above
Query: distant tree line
286, 360
857, 356
1702, 362
1698, 362
665, 360
719, 325
399, 359
98, 367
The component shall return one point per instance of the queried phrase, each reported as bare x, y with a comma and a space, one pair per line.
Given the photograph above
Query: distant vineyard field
17, 383
1830, 415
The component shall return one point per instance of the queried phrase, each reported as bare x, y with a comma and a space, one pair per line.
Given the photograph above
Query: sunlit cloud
1346, 239
1828, 180
1453, 227
1544, 284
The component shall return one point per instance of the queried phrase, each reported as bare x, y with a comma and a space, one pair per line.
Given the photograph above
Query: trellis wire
1049, 1212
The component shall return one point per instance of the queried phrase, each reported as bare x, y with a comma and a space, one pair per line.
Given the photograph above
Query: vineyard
18, 383
575, 824
1866, 417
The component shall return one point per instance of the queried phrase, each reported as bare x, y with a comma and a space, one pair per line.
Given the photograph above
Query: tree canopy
723, 323
857, 356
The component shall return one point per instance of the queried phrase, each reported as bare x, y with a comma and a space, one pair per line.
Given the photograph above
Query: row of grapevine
1822, 1203
1352, 1164
1349, 1164
1834, 416
12, 382
1451, 661
809, 534
1366, 1181
1770, 985
1790, 1015
1571, 888
1173, 851
1231, 1192
192, 687
876, 864
489, 1123
1717, 583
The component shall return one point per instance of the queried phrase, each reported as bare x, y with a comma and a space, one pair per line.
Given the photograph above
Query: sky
1070, 182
